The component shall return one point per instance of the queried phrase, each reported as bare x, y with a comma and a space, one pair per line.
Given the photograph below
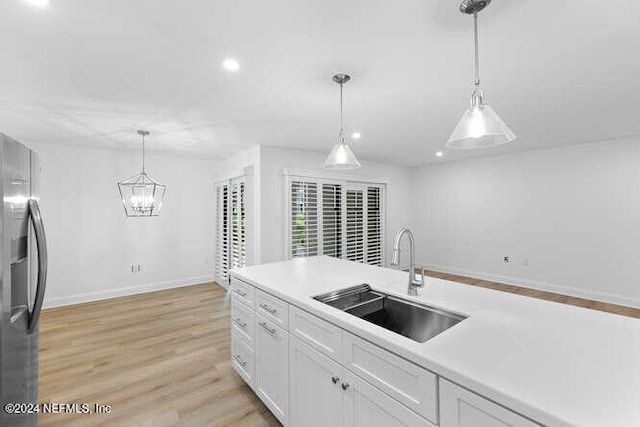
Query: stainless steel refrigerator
23, 271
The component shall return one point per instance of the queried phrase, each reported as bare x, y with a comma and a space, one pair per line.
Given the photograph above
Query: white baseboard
119, 292
540, 286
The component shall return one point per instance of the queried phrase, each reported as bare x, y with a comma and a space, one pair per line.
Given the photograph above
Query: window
230, 227
341, 219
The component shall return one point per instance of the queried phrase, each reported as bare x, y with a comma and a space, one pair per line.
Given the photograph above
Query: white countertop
557, 364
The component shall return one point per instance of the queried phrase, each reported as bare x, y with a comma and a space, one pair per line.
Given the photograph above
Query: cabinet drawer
318, 333
409, 384
273, 309
243, 322
244, 292
242, 359
461, 408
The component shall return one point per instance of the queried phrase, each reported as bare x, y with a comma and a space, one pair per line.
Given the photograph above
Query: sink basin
416, 321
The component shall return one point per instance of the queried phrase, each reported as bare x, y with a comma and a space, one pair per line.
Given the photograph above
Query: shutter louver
304, 219
355, 226
222, 232
332, 220
374, 226
238, 247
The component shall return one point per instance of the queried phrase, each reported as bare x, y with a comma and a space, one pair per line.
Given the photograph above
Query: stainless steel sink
412, 320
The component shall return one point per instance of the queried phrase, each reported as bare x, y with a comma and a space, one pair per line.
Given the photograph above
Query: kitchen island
514, 360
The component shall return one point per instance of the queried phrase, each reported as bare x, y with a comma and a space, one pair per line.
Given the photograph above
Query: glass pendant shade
142, 195
341, 157
480, 127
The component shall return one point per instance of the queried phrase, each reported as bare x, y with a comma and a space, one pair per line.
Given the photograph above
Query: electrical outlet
136, 268
506, 259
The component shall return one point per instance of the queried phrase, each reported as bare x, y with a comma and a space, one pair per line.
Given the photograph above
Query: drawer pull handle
240, 361
269, 309
335, 380
345, 386
241, 293
240, 322
272, 331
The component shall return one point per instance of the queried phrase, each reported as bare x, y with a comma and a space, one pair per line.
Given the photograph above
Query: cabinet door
366, 406
462, 408
316, 396
272, 367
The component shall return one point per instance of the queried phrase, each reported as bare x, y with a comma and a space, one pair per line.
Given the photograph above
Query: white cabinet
406, 382
366, 406
272, 366
243, 292
242, 321
242, 358
318, 333
462, 408
323, 393
273, 309
316, 396
311, 373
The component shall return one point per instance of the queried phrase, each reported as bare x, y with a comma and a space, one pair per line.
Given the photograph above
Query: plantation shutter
342, 219
304, 219
374, 226
332, 220
238, 244
355, 243
222, 232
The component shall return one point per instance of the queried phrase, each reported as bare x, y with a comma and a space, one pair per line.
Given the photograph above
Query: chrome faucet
395, 261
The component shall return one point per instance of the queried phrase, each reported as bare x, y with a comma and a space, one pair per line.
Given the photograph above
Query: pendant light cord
143, 135
477, 60
476, 96
341, 134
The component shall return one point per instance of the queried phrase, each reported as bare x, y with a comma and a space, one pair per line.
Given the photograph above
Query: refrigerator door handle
41, 244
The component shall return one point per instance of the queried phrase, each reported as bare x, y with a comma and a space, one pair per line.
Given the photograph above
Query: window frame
346, 182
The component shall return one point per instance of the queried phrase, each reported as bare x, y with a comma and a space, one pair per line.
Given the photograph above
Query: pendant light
480, 126
141, 195
341, 156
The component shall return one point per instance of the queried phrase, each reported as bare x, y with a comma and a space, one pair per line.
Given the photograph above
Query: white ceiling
90, 72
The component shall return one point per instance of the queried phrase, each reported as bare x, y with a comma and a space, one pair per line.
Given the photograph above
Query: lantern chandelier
141, 195
480, 126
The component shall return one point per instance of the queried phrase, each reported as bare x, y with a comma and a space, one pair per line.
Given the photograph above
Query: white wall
572, 214
92, 244
273, 160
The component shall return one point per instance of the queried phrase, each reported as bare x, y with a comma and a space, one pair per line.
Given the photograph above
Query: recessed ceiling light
356, 135
39, 3
439, 154
231, 64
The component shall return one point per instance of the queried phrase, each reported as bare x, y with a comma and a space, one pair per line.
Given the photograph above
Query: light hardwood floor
549, 296
162, 358
159, 359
